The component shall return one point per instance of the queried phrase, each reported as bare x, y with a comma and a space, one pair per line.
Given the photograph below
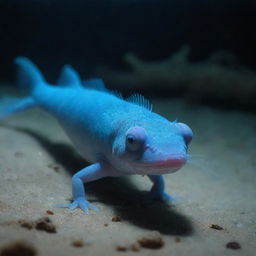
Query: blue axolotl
119, 137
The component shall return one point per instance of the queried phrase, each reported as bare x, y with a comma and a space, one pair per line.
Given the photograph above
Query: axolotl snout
119, 137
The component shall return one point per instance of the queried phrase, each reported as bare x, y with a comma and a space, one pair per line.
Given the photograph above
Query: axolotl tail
30, 78
11, 105
39, 91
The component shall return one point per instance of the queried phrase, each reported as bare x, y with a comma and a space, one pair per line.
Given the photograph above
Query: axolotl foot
161, 196
81, 203
158, 190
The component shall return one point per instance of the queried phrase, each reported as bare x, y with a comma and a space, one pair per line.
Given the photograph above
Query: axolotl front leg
89, 173
158, 189
100, 170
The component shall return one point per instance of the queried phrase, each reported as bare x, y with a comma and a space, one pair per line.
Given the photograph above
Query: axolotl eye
186, 132
135, 138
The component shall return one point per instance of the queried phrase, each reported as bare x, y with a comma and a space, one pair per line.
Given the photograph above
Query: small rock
50, 212
26, 224
18, 248
217, 227
121, 248
46, 225
152, 240
116, 219
78, 243
233, 245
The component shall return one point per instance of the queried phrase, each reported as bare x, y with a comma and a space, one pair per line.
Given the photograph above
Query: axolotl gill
118, 136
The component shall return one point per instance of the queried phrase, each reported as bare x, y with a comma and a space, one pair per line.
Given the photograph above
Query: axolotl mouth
166, 165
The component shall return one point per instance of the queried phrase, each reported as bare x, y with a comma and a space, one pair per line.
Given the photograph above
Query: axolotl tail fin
30, 78
11, 105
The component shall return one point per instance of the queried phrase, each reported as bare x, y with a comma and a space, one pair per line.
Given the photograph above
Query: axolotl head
151, 147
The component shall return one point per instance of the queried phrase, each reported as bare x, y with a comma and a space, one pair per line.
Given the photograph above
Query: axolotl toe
118, 136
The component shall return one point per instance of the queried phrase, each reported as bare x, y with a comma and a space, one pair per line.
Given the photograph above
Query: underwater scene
127, 127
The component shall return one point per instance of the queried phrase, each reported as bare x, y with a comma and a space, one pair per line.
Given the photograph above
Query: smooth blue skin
97, 122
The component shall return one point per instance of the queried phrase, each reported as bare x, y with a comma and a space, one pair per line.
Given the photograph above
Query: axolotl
117, 136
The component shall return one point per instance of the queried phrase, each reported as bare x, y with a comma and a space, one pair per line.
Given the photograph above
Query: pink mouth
167, 163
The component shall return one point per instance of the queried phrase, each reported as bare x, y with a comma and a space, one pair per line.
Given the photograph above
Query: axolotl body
119, 137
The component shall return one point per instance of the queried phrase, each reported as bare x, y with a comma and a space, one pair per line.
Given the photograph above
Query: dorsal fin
99, 85
69, 77
95, 83
140, 100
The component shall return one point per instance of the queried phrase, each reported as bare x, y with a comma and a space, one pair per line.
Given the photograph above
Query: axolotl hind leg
89, 173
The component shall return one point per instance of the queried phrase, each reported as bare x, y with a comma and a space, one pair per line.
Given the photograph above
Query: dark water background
88, 33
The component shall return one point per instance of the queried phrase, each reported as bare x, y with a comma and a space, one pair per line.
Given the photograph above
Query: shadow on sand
120, 193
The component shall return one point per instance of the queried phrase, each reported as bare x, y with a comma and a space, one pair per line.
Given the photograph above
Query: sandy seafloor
217, 187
